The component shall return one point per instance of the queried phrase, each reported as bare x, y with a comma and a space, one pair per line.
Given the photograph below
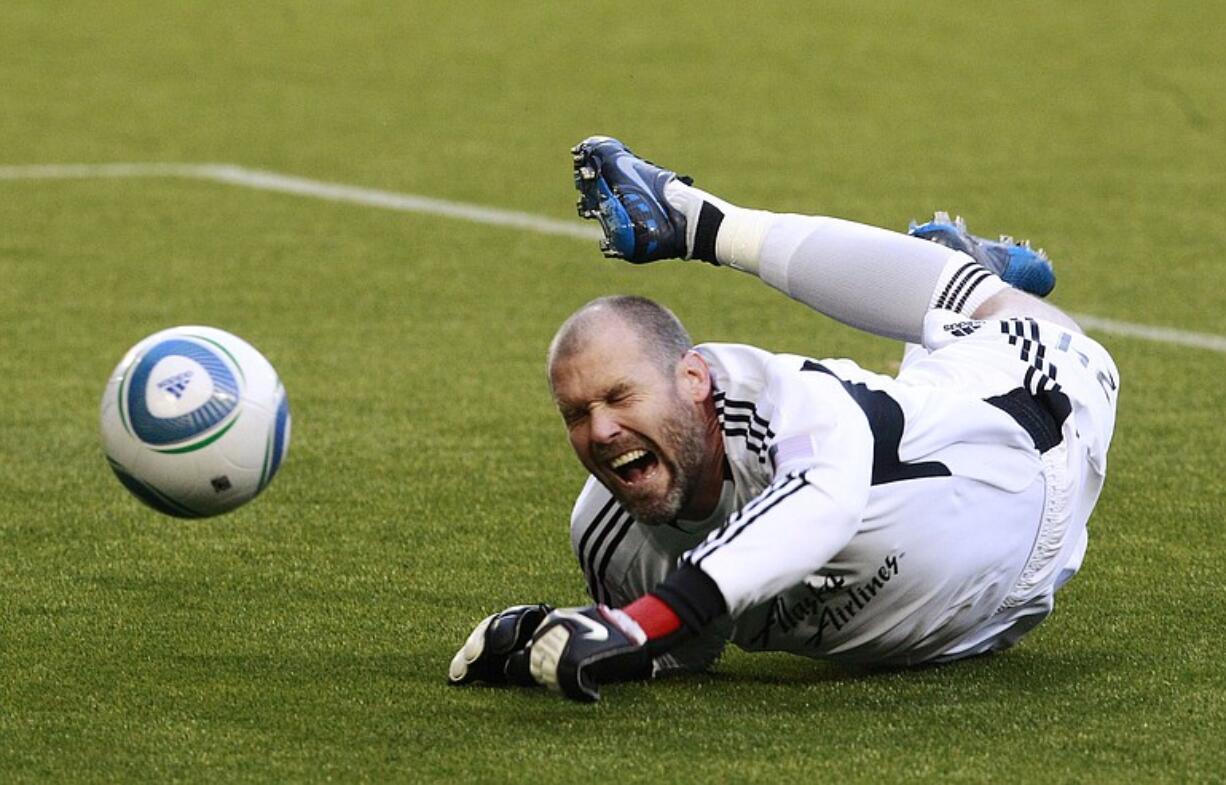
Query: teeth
626, 458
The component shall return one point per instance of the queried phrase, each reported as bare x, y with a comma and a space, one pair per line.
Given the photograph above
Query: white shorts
1064, 369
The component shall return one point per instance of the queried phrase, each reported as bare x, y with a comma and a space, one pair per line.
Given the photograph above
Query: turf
305, 637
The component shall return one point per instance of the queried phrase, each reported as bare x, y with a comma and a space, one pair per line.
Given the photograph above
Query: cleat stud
586, 173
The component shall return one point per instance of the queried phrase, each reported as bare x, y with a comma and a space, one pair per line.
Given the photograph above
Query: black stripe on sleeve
604, 522
750, 422
594, 525
739, 528
603, 569
757, 430
733, 403
589, 565
596, 521
720, 535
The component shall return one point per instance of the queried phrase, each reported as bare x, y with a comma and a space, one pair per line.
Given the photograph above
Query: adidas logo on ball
176, 385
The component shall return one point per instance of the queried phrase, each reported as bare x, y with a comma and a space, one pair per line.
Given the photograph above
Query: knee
1012, 304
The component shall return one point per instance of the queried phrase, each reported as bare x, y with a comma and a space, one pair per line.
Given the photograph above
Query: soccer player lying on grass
802, 505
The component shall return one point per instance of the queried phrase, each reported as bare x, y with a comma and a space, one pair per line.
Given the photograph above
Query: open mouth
633, 465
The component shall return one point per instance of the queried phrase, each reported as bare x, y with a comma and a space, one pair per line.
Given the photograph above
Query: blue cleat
1016, 263
626, 194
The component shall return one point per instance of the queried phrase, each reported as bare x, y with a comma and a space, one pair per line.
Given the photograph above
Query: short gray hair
660, 332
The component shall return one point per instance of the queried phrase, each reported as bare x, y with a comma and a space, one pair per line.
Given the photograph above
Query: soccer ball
195, 421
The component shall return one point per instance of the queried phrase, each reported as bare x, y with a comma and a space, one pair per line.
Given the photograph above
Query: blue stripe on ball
161, 431
279, 444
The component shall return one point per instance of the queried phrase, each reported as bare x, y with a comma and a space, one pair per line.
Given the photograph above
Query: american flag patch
793, 448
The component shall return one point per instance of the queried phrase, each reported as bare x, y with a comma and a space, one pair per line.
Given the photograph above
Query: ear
694, 376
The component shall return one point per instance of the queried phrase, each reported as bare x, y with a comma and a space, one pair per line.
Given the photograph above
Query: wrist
653, 616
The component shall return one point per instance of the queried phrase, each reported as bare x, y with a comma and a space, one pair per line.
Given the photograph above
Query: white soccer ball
195, 421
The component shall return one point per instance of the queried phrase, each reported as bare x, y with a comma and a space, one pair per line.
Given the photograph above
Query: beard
683, 434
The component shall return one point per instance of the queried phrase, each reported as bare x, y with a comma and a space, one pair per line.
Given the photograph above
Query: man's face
636, 428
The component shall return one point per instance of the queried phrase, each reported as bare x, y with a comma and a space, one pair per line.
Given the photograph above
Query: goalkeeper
788, 503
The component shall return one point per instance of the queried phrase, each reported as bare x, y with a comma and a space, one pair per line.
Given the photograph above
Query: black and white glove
575, 650
497, 650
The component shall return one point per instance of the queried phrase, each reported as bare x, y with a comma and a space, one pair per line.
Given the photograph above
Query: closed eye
619, 393
573, 416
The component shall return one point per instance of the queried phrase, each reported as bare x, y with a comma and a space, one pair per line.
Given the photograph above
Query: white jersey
866, 518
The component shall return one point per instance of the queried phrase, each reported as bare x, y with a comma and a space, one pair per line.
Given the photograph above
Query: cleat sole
633, 222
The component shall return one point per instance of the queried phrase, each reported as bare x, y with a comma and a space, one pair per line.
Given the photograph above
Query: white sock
741, 232
870, 278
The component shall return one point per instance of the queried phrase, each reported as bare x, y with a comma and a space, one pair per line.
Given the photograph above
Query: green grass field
305, 637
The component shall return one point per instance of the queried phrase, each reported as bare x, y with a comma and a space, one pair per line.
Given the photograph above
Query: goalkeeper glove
575, 650
497, 650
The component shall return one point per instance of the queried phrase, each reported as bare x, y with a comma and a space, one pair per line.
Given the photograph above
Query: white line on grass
412, 203
1209, 341
300, 186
